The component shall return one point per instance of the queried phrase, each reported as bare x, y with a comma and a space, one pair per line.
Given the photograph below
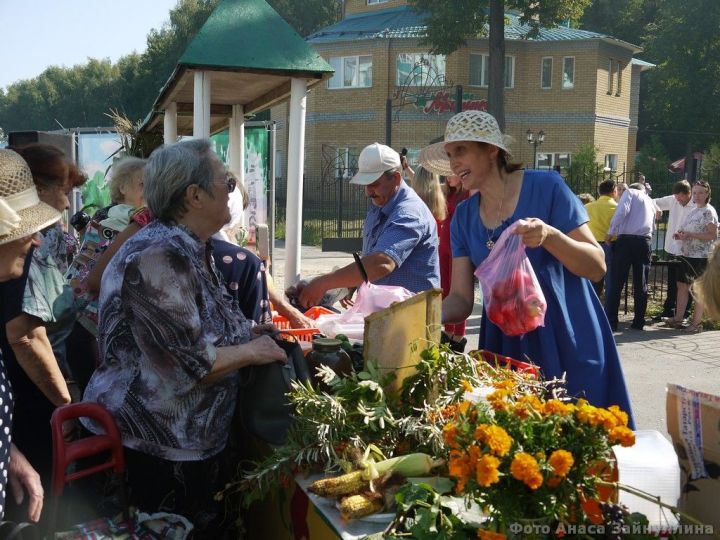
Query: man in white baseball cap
399, 237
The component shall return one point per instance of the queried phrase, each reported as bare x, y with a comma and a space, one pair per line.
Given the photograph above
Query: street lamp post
535, 141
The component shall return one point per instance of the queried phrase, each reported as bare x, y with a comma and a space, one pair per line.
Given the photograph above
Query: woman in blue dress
576, 339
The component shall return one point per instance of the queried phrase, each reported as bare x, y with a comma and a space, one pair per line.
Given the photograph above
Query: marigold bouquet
522, 456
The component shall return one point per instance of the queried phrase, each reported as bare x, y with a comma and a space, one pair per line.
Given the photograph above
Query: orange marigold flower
622, 435
463, 407
466, 385
498, 395
531, 400
495, 437
459, 465
554, 481
525, 468
484, 534
561, 461
486, 470
619, 414
505, 385
450, 433
555, 406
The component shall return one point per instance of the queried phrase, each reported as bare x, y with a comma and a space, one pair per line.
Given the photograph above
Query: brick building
575, 85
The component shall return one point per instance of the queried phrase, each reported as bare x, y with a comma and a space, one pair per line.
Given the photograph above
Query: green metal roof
405, 22
250, 34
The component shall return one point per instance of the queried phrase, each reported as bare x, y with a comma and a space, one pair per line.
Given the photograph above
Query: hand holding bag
512, 296
265, 409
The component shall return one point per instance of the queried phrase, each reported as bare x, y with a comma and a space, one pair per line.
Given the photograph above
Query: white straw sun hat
21, 211
475, 126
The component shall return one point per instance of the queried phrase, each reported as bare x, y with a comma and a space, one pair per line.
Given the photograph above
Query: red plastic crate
505, 361
313, 313
302, 334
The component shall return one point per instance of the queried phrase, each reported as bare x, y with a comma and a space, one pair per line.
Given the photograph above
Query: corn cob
357, 506
417, 464
345, 484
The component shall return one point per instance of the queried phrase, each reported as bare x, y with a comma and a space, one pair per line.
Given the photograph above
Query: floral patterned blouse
163, 312
696, 222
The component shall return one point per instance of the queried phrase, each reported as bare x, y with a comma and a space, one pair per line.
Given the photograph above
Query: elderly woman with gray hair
170, 342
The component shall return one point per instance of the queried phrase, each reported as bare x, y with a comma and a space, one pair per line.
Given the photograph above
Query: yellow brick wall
568, 117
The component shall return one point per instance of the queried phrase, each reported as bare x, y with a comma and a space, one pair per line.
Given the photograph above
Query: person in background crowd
126, 192
706, 288
697, 234
600, 213
586, 198
678, 205
576, 340
399, 236
37, 312
171, 344
22, 215
621, 188
641, 180
454, 195
631, 228
407, 172
427, 186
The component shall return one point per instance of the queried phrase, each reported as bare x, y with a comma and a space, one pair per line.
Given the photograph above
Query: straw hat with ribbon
21, 211
475, 126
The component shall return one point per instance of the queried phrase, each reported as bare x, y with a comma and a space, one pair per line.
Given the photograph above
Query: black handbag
265, 410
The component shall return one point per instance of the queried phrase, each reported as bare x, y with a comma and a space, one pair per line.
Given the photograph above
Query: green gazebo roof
252, 53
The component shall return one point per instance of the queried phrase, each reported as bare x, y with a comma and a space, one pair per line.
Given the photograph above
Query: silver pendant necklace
491, 233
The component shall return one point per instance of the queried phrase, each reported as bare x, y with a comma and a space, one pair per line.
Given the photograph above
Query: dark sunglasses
230, 181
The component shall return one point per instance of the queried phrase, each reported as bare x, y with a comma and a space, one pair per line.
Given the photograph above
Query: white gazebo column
236, 143
170, 124
295, 168
201, 105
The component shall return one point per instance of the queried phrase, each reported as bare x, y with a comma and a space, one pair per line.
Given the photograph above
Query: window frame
373, 2
542, 71
610, 76
554, 157
619, 78
340, 73
418, 55
562, 83
485, 67
608, 160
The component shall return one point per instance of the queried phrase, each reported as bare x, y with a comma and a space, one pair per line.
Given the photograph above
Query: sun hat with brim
374, 160
22, 213
475, 126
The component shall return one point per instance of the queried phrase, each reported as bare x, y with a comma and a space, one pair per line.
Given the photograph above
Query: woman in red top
454, 195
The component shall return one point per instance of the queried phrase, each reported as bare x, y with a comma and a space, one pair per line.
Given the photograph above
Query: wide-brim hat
475, 126
22, 213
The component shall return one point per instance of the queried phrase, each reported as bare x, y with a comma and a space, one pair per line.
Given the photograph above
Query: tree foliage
83, 94
684, 90
451, 24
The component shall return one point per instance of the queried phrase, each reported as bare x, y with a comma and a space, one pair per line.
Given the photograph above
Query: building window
546, 67
619, 78
351, 72
551, 160
418, 69
611, 161
371, 2
568, 82
480, 70
611, 65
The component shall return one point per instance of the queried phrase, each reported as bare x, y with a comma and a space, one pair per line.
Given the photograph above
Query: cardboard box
693, 422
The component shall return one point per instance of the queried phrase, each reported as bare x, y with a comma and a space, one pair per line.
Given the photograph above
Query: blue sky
37, 34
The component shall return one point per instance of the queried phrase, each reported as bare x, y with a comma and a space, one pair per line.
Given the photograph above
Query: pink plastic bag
371, 298
513, 299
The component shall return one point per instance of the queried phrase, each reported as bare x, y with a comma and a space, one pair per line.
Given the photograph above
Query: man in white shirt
632, 227
678, 205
